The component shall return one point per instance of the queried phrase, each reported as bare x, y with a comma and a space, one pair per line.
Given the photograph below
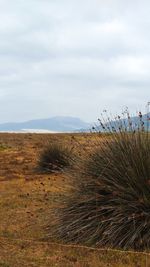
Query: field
26, 197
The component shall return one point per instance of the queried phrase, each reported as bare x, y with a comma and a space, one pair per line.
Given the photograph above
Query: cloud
66, 57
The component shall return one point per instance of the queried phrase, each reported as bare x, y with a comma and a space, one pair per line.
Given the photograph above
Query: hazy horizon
73, 58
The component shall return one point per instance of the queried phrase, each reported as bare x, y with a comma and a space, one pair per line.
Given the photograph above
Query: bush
110, 205
54, 158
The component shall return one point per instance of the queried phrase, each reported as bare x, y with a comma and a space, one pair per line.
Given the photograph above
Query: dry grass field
26, 197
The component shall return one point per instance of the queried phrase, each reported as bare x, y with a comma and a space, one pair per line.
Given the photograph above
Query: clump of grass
55, 158
3, 147
110, 205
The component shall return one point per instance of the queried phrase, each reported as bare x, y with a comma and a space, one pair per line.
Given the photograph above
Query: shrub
110, 205
55, 157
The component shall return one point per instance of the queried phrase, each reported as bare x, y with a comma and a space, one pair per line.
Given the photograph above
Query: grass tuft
55, 158
110, 206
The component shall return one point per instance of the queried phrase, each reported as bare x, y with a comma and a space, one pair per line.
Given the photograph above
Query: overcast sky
73, 57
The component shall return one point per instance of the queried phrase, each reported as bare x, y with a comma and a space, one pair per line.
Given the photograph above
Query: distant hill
145, 119
135, 122
58, 124
54, 124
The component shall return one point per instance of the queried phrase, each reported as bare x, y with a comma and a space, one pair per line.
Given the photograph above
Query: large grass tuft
110, 205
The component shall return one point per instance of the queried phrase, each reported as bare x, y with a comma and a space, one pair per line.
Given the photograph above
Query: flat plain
26, 198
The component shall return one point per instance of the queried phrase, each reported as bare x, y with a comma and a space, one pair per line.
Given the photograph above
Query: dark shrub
55, 157
110, 205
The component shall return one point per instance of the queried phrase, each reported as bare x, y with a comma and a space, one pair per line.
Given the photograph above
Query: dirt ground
26, 197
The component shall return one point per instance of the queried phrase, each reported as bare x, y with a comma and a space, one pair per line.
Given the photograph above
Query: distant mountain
136, 121
54, 124
145, 119
59, 124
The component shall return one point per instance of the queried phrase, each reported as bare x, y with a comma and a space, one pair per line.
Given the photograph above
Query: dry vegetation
26, 199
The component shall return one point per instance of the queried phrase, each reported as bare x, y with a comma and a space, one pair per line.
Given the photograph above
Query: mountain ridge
53, 124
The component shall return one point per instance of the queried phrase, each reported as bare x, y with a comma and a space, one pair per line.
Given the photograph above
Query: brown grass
26, 199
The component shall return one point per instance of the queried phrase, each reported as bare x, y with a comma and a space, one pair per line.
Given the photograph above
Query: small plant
3, 147
54, 158
110, 205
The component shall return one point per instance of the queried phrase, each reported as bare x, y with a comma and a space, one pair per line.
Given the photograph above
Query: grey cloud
73, 57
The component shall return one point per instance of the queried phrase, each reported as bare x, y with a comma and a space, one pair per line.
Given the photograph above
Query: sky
73, 58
